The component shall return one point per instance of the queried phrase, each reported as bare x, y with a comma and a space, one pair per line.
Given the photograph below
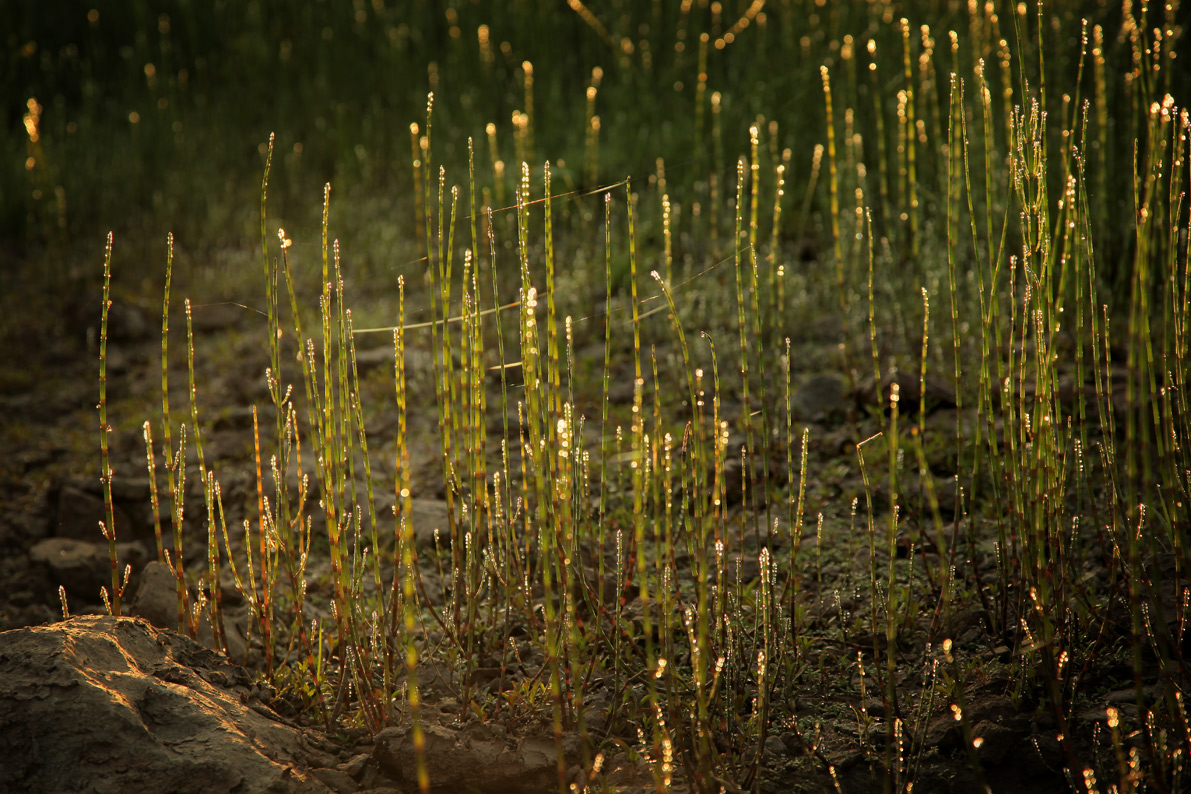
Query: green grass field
806, 370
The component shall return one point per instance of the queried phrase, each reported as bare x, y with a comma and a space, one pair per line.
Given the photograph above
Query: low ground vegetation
856, 461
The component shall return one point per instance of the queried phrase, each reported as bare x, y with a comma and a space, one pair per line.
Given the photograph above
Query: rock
480, 757
80, 512
157, 596
995, 740
368, 359
821, 398
339, 782
128, 322
82, 568
429, 515
157, 602
940, 392
355, 765
426, 515
108, 704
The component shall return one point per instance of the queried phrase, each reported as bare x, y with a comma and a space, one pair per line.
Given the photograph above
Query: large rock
821, 398
79, 513
105, 704
426, 515
156, 601
479, 757
80, 567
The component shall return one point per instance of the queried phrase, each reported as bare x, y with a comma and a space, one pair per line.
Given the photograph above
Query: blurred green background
149, 117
